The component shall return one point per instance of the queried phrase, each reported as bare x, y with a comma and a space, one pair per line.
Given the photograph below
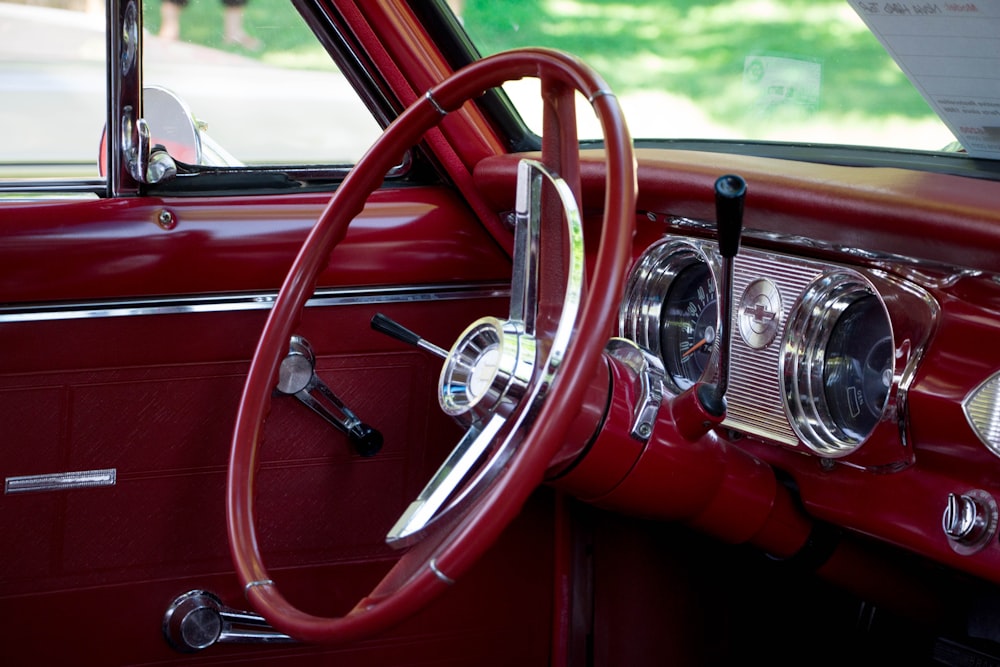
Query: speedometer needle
708, 339
691, 350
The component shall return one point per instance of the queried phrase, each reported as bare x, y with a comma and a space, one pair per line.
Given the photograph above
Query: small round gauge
688, 324
857, 373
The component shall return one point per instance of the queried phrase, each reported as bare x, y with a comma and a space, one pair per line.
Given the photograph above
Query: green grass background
694, 48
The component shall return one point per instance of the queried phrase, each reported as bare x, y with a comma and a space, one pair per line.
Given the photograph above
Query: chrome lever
197, 619
389, 327
297, 377
650, 374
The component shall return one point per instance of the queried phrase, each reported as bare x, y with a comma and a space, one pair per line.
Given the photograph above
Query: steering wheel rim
419, 574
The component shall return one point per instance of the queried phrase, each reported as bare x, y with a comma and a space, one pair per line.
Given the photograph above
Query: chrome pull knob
962, 520
969, 520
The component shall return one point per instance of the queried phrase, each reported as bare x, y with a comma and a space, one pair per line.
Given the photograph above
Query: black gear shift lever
730, 192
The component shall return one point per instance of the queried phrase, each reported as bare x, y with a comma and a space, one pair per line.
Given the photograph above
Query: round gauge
837, 363
688, 324
857, 372
671, 310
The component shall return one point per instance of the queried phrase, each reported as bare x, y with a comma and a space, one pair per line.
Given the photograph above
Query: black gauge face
688, 324
857, 373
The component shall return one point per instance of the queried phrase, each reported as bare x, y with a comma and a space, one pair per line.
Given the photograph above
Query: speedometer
671, 310
688, 324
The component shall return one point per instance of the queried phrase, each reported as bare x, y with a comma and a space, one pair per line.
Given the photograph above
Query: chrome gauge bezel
805, 361
641, 318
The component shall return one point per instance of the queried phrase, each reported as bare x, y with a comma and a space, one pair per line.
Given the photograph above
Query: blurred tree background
695, 50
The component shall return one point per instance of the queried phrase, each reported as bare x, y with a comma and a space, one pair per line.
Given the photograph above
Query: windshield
790, 71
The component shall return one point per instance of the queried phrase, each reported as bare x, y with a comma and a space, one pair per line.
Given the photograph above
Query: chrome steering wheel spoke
527, 242
496, 375
446, 481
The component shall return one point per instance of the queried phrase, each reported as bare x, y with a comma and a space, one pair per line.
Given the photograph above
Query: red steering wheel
517, 383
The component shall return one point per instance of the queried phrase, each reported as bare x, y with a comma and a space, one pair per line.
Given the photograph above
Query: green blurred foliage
692, 48
697, 48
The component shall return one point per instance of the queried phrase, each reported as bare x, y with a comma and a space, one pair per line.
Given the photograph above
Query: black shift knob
730, 191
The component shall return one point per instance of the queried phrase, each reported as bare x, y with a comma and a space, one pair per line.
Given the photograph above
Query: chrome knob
969, 520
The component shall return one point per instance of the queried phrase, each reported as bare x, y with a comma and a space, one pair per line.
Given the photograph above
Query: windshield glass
775, 70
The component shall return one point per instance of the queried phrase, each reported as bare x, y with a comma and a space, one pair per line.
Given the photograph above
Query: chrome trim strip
60, 481
249, 301
259, 582
435, 104
920, 271
600, 92
438, 573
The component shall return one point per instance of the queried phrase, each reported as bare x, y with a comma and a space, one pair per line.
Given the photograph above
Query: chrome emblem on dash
760, 313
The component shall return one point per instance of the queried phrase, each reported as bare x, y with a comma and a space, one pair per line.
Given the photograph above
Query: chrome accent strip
438, 573
42, 192
249, 301
601, 92
434, 103
924, 272
60, 481
259, 582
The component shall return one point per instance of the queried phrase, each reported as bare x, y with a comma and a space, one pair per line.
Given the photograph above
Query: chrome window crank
297, 377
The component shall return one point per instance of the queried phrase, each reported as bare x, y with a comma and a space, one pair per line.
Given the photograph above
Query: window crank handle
297, 377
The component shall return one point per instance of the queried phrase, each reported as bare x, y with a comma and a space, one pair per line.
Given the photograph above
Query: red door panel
125, 346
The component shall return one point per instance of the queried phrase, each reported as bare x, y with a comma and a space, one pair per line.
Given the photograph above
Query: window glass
52, 88
782, 70
257, 80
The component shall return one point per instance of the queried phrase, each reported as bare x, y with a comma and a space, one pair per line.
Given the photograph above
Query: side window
52, 88
257, 81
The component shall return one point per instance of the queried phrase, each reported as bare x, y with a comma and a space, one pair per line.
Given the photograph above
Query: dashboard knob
969, 520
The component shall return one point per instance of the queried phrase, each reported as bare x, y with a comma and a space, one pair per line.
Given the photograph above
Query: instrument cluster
821, 353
